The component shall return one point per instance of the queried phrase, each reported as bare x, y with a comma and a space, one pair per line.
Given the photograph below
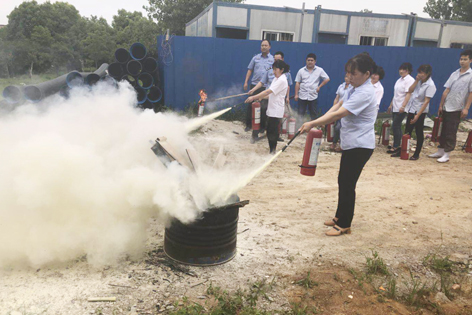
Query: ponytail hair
280, 64
362, 63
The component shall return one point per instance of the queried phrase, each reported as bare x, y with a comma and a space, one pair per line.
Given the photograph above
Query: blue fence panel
219, 66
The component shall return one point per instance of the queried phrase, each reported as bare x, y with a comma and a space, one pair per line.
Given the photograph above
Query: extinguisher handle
294, 136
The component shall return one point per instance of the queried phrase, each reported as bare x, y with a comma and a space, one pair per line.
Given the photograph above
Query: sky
108, 8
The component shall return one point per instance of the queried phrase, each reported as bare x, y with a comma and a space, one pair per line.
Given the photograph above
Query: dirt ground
405, 210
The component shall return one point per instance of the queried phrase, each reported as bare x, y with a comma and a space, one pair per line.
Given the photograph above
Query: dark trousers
337, 131
419, 127
312, 107
249, 107
397, 119
273, 132
451, 121
352, 163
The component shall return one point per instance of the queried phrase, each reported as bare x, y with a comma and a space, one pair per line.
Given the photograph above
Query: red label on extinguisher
315, 151
257, 115
291, 127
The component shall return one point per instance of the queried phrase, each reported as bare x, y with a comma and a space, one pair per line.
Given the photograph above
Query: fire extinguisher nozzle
294, 136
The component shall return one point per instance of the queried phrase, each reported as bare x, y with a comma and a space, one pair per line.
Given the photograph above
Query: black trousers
249, 107
273, 132
352, 163
419, 127
312, 108
451, 121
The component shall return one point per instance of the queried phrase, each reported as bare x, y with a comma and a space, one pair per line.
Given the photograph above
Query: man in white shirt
399, 94
309, 81
375, 78
454, 106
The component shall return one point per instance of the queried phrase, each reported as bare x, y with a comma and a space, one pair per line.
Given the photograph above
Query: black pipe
145, 80
138, 51
141, 95
75, 79
37, 92
94, 77
116, 70
13, 94
150, 65
122, 55
110, 80
131, 80
134, 67
155, 94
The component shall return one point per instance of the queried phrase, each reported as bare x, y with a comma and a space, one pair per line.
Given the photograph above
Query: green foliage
174, 14
459, 10
376, 265
439, 264
307, 282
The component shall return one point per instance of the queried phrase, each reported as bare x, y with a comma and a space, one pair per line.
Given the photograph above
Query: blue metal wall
219, 66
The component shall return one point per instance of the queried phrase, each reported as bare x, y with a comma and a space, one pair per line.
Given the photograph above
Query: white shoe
438, 154
444, 158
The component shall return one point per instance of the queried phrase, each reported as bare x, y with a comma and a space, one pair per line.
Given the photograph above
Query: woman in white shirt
375, 78
358, 110
337, 126
399, 94
417, 100
275, 110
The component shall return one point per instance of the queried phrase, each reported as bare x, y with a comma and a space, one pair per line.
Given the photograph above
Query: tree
100, 43
459, 10
174, 14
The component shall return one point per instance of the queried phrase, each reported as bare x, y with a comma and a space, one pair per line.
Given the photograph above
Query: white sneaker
438, 154
444, 158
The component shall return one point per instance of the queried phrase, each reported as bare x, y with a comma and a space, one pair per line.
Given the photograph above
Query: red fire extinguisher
291, 127
312, 150
437, 129
386, 133
330, 132
285, 124
405, 147
256, 116
468, 143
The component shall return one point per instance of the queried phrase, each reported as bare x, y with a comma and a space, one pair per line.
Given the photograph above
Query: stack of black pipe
17, 94
141, 71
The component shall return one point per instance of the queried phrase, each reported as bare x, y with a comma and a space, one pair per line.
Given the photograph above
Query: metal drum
211, 240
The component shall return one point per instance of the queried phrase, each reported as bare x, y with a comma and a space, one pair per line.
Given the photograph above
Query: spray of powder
77, 177
198, 122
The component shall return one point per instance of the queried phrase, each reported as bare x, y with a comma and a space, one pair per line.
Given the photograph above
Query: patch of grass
299, 309
438, 264
416, 290
307, 282
376, 265
392, 288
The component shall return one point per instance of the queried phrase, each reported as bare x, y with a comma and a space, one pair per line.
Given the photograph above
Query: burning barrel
211, 240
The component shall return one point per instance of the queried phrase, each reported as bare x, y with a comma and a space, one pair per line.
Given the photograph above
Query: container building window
373, 41
461, 46
277, 36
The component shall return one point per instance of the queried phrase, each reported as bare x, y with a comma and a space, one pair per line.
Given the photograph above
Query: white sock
438, 154
440, 151
444, 158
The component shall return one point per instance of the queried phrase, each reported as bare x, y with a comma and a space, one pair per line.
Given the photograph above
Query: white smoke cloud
77, 177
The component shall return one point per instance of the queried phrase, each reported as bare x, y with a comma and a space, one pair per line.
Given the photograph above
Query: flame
203, 96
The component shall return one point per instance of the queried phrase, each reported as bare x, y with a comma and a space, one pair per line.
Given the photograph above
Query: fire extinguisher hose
286, 146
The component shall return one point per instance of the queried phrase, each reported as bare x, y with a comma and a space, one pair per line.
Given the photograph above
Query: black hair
362, 63
266, 40
280, 53
311, 55
406, 66
467, 52
365, 53
280, 64
380, 71
426, 69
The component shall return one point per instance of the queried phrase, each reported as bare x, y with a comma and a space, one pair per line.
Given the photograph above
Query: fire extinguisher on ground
385, 133
437, 129
311, 153
405, 147
468, 143
291, 127
256, 115
330, 132
285, 123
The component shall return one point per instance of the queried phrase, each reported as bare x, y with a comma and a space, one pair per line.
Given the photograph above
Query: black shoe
389, 147
396, 154
261, 131
280, 140
390, 151
414, 158
253, 140
247, 129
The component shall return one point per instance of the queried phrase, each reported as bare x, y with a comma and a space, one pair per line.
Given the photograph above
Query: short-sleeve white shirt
357, 129
460, 86
342, 90
309, 82
421, 92
276, 105
379, 93
400, 90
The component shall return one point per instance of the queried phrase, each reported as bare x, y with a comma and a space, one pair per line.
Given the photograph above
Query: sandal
337, 231
331, 222
390, 151
414, 158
